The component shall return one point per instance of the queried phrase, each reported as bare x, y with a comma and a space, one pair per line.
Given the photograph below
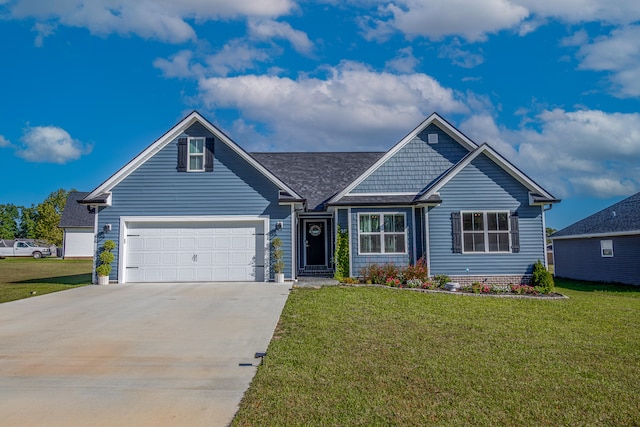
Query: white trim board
598, 235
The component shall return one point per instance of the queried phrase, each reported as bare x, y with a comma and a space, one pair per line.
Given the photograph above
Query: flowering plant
393, 282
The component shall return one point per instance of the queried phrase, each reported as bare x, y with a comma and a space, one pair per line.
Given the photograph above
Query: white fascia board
598, 235
497, 159
433, 118
169, 136
195, 218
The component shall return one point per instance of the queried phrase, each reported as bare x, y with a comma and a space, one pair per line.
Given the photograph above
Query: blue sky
553, 85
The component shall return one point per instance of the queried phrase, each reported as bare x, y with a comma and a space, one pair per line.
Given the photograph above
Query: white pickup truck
20, 248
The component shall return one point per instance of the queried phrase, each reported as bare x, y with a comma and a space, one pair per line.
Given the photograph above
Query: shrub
418, 271
350, 280
429, 285
106, 258
342, 255
441, 280
541, 279
523, 289
373, 273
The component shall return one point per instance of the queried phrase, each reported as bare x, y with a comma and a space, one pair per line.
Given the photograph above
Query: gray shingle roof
75, 214
317, 176
620, 217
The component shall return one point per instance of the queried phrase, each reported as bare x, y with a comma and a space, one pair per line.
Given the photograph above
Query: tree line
35, 222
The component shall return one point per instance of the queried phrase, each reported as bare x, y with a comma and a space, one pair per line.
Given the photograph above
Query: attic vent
432, 138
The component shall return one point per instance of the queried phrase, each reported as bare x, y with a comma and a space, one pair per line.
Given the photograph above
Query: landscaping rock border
552, 296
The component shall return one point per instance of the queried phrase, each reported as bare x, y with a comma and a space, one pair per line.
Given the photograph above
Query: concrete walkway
135, 354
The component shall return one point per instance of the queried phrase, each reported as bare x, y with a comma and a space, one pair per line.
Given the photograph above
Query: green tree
49, 213
550, 231
8, 221
28, 218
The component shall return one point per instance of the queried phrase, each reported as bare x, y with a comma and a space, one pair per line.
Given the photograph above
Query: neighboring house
194, 206
602, 247
78, 225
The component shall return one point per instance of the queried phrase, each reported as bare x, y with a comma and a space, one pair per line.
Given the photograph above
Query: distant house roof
317, 176
75, 214
620, 218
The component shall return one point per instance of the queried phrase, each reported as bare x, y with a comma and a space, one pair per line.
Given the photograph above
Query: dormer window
196, 155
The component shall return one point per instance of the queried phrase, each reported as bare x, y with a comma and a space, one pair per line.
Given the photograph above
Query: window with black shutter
485, 231
195, 154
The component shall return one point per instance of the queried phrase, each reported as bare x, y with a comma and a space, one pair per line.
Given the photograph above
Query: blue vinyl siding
484, 186
233, 188
343, 219
580, 259
416, 165
360, 261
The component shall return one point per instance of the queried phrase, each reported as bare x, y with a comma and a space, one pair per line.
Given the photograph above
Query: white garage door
194, 252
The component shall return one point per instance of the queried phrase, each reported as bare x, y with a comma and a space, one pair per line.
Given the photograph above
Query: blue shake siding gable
415, 165
484, 186
234, 187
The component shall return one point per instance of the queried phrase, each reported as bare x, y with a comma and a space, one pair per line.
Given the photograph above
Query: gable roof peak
171, 135
433, 118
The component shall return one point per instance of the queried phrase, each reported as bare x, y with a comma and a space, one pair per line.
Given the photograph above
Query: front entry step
312, 271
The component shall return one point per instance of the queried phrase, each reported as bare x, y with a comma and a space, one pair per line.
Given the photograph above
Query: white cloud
43, 30
235, 56
436, 19
4, 142
164, 20
404, 62
50, 144
266, 29
619, 53
586, 152
353, 108
575, 11
578, 38
460, 57
178, 65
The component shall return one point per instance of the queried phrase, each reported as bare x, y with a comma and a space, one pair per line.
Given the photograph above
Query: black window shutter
208, 155
457, 232
183, 155
515, 233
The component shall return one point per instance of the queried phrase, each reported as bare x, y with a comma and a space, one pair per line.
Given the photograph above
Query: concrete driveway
135, 354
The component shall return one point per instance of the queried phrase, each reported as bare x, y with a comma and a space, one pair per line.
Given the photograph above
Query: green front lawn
21, 277
348, 356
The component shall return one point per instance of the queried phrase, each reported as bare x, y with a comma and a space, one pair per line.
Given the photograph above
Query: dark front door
315, 242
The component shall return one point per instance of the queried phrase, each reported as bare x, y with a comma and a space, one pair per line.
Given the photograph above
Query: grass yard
19, 277
378, 356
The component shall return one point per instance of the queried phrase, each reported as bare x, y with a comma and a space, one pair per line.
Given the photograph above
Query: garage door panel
152, 243
152, 258
222, 242
187, 252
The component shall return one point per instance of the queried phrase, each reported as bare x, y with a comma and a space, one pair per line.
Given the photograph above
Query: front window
382, 233
196, 154
485, 231
606, 248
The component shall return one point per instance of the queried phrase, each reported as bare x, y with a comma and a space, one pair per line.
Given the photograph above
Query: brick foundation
493, 280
